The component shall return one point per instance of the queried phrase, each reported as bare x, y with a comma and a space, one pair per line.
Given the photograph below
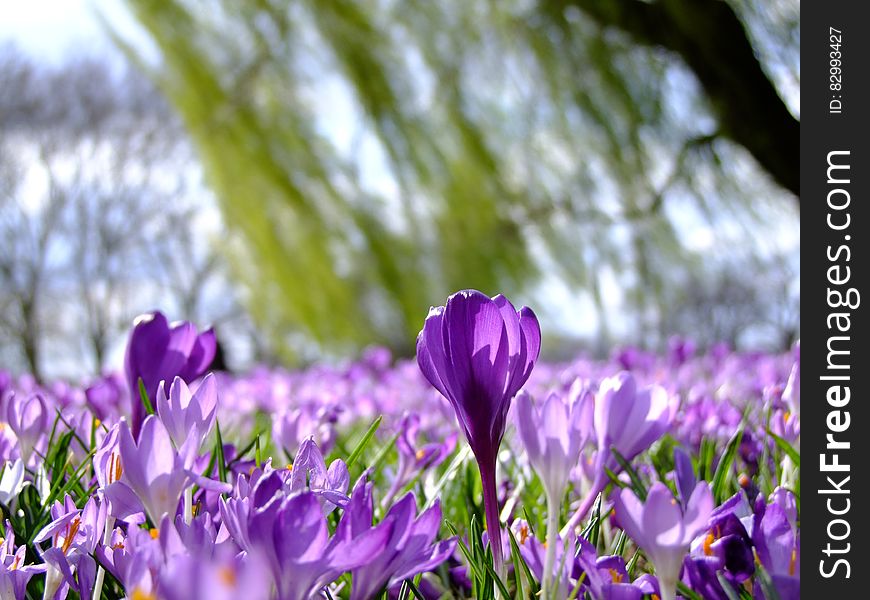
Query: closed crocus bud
188, 417
159, 351
478, 352
29, 419
553, 435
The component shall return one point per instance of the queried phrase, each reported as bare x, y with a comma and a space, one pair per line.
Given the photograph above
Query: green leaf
143, 396
793, 454
636, 482
687, 592
521, 569
219, 452
361, 445
727, 587
723, 470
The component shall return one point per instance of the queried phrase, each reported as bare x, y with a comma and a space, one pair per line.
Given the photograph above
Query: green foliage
372, 157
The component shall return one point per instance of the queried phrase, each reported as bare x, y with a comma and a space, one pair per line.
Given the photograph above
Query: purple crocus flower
14, 574
188, 417
153, 474
328, 484
414, 458
292, 538
628, 419
29, 419
409, 546
662, 528
478, 352
225, 577
159, 351
778, 547
553, 437
74, 535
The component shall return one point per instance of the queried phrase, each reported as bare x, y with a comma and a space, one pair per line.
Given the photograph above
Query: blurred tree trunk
712, 42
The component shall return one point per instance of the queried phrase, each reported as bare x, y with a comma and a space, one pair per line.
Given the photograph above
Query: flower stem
552, 540
668, 589
101, 572
188, 505
490, 507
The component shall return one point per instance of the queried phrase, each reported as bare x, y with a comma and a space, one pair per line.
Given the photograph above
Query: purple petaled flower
292, 538
408, 547
628, 419
29, 419
478, 352
413, 458
74, 535
153, 476
778, 547
14, 574
309, 470
188, 417
159, 351
194, 577
662, 528
553, 435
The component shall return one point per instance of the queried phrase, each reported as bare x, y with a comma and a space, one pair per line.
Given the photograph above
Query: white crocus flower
12, 481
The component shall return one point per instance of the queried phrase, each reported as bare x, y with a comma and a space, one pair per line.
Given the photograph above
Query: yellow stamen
524, 533
420, 454
792, 562
289, 466
71, 530
786, 417
15, 562
118, 546
140, 594
97, 422
155, 533
656, 597
616, 576
115, 470
708, 541
227, 577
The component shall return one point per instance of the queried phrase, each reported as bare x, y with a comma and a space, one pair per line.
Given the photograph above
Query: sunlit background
310, 176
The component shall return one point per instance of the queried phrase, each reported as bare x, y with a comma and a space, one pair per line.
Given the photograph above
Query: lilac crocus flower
478, 352
74, 535
29, 419
153, 474
328, 484
292, 538
14, 574
553, 437
778, 547
159, 351
188, 417
628, 419
414, 458
194, 577
662, 528
408, 547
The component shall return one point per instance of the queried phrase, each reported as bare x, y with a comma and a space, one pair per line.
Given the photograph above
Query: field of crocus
475, 471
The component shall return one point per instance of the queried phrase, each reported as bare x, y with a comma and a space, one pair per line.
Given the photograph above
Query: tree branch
712, 41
